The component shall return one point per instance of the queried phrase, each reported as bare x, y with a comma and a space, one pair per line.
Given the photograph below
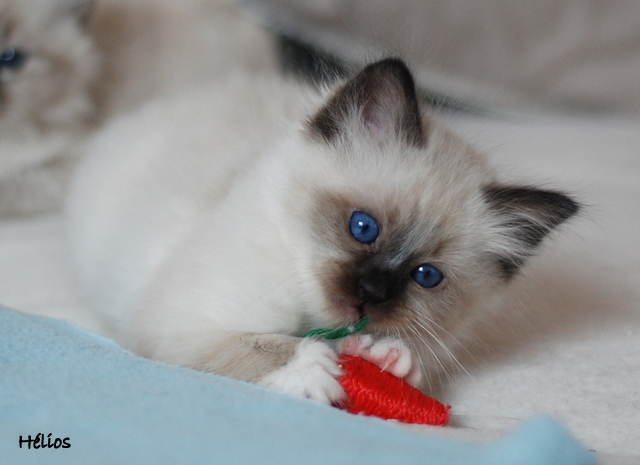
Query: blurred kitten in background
69, 65
47, 67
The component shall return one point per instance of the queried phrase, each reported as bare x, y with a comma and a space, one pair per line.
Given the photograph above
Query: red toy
371, 391
374, 392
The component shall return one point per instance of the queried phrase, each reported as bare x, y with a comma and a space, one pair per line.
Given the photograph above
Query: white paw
311, 373
389, 354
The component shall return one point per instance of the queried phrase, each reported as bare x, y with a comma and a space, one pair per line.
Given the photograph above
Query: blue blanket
91, 402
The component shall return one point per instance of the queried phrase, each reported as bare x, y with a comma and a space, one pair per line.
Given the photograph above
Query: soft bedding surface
567, 343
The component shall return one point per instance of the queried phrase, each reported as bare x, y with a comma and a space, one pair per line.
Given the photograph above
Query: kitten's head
408, 224
47, 64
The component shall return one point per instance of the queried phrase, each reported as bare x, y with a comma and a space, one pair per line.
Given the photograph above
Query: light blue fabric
116, 408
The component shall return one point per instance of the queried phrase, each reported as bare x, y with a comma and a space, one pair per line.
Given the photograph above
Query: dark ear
525, 217
382, 98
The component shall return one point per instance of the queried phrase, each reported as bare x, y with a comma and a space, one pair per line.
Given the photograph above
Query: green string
332, 334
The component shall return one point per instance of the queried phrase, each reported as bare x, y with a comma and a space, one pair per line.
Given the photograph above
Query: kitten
69, 65
215, 229
47, 66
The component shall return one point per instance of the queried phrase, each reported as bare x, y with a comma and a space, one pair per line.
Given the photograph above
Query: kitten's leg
390, 354
301, 367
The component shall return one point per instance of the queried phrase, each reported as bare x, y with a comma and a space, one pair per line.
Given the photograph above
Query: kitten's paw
311, 373
389, 354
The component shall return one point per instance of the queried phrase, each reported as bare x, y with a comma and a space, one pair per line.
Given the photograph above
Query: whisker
418, 353
451, 336
447, 351
433, 353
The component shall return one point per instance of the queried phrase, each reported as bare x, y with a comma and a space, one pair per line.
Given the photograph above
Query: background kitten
69, 65
47, 66
215, 229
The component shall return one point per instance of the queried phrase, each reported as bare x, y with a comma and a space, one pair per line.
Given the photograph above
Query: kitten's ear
80, 10
381, 98
525, 216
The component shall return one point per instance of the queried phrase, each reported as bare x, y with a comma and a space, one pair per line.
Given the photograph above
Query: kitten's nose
378, 286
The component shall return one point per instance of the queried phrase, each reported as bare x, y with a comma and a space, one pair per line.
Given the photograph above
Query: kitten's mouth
360, 310
350, 311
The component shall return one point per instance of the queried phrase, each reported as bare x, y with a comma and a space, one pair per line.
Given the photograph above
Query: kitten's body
213, 230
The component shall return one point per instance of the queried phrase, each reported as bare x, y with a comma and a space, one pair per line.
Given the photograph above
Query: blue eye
428, 276
364, 228
12, 58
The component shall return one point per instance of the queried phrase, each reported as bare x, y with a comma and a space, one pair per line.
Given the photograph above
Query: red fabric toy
371, 391
374, 392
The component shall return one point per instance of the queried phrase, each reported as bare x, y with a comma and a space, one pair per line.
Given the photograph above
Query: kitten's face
407, 223
47, 64
407, 249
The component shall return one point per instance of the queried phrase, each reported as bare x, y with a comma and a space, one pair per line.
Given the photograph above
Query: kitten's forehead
411, 180
446, 159
7, 20
19, 23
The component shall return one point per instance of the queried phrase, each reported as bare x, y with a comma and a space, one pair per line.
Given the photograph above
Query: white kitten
213, 230
46, 69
